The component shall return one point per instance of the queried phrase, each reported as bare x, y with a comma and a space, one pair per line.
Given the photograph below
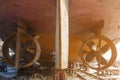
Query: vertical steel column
62, 34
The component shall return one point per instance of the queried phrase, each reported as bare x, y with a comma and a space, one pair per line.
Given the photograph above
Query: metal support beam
62, 34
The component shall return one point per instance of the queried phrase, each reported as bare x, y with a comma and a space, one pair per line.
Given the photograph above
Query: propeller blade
90, 45
90, 57
27, 44
105, 48
31, 50
101, 60
84, 51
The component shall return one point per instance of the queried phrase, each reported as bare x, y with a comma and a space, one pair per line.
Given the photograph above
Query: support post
18, 48
20, 32
62, 34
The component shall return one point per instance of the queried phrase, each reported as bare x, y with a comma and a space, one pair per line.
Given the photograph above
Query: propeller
94, 49
95, 53
27, 53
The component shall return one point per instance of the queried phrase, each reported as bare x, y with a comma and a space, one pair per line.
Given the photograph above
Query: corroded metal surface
39, 15
26, 57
